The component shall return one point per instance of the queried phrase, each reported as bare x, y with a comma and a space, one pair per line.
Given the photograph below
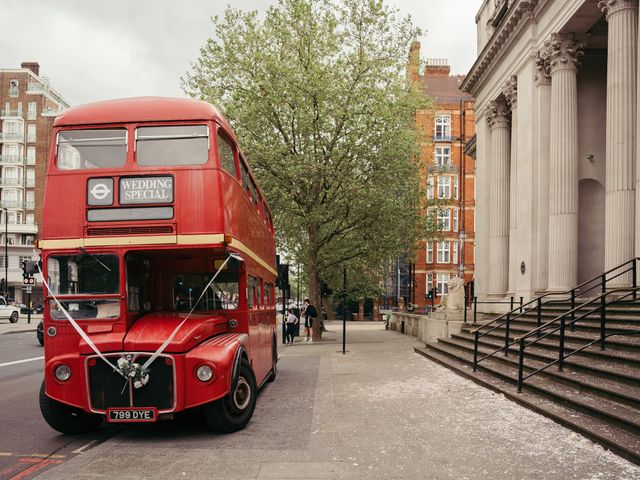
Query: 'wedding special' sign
142, 190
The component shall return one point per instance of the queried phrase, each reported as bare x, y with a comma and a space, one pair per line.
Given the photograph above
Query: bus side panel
202, 216
64, 202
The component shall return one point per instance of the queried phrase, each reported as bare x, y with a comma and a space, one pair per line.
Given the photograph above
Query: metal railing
511, 302
600, 281
551, 327
442, 168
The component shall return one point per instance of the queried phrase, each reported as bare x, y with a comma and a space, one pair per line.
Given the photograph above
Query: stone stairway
597, 393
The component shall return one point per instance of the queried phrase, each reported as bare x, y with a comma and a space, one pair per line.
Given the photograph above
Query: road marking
80, 450
16, 362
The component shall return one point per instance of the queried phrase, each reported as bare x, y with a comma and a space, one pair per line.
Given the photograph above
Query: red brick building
450, 177
29, 107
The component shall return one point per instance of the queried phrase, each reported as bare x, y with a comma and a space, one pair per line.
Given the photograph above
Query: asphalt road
28, 446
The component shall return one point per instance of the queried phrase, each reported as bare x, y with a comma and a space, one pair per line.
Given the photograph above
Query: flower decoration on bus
133, 372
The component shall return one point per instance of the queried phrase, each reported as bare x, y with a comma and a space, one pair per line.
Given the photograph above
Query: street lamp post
6, 252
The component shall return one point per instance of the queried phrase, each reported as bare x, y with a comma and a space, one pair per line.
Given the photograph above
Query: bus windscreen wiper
95, 258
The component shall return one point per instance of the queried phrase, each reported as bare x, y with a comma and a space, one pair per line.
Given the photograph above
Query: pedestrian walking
292, 320
310, 313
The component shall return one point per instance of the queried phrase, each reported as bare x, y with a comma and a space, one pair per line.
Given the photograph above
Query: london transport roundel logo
100, 191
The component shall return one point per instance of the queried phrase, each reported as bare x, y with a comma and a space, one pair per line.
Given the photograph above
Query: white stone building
557, 175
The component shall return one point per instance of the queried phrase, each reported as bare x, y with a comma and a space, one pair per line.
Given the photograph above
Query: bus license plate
116, 415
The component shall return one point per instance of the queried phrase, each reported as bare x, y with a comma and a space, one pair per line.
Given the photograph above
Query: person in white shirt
292, 320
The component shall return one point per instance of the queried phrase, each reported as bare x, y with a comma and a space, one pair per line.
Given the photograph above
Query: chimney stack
33, 66
437, 67
413, 68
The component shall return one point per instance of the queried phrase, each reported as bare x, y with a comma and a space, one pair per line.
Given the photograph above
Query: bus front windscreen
83, 274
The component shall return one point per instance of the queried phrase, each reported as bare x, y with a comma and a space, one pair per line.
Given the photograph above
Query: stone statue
455, 296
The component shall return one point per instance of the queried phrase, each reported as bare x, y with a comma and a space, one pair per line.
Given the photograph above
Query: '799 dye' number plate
132, 414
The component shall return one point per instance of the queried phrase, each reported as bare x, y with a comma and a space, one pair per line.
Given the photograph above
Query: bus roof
140, 109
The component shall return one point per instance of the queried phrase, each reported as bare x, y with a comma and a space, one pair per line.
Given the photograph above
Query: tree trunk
314, 282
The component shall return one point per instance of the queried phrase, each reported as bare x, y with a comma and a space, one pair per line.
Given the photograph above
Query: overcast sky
94, 50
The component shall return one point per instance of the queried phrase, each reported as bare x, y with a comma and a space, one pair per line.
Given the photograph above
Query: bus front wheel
66, 419
233, 412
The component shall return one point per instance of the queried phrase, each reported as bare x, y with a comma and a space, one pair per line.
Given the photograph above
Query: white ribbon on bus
77, 327
162, 347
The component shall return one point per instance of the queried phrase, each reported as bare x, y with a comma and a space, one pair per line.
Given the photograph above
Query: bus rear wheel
233, 412
66, 419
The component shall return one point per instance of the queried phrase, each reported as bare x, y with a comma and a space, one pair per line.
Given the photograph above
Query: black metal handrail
574, 293
548, 331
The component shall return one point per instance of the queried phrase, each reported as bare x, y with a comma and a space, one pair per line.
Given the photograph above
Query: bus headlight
204, 373
62, 373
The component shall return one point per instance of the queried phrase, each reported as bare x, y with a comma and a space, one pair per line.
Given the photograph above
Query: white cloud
95, 50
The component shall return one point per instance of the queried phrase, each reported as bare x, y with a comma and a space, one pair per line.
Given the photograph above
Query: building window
442, 284
31, 154
430, 188
429, 252
30, 219
31, 110
13, 88
429, 283
443, 127
444, 252
443, 156
444, 219
454, 249
31, 132
455, 188
455, 219
444, 187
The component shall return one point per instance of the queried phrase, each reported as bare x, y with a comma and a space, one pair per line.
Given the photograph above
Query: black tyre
233, 412
274, 362
66, 419
40, 333
14, 317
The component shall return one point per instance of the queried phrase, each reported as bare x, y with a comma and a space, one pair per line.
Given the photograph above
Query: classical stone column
561, 55
498, 119
622, 16
541, 139
510, 92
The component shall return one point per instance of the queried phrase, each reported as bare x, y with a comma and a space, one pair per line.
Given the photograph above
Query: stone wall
427, 328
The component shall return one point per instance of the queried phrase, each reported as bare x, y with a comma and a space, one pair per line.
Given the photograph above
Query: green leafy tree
318, 96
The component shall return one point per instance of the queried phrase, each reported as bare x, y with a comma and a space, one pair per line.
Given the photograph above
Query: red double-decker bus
158, 254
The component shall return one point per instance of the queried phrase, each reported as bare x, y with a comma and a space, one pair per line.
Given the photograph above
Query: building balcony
12, 160
20, 228
11, 182
443, 138
444, 168
11, 113
11, 204
12, 137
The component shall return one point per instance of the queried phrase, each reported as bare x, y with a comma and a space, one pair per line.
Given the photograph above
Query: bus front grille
108, 389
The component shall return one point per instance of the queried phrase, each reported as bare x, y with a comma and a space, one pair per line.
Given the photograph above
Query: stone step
626, 416
617, 439
606, 368
618, 342
617, 354
620, 390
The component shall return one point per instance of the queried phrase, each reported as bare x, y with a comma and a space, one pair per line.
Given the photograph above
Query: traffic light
29, 267
325, 290
283, 276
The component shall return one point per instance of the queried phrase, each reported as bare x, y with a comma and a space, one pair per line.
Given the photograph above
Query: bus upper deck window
84, 149
172, 146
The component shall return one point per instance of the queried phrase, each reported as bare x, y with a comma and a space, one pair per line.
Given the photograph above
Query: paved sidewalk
378, 412
21, 325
